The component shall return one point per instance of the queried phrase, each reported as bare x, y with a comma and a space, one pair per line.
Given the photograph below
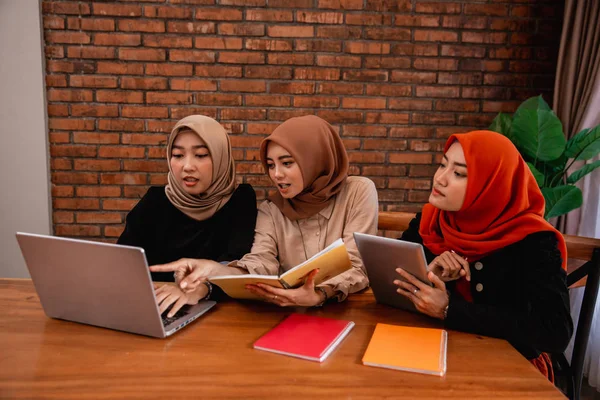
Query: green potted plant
537, 133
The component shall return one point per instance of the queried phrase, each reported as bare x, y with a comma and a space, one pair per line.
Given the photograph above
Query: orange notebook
408, 349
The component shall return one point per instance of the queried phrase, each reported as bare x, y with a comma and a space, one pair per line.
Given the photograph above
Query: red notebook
305, 336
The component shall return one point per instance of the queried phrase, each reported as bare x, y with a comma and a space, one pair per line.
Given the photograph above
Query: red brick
121, 152
203, 28
409, 49
62, 217
463, 51
60, 164
396, 34
484, 37
457, 105
367, 48
458, 78
219, 43
384, 144
292, 87
145, 166
59, 137
365, 76
74, 178
267, 44
387, 62
290, 3
96, 52
143, 83
338, 61
114, 230
65, 8
157, 126
388, 90
316, 101
364, 103
54, 51
120, 10
168, 12
123, 179
465, 22
195, 85
70, 124
268, 101
91, 24
120, 125
53, 22
436, 118
118, 68
341, 4
77, 67
500, 106
340, 88
267, 72
134, 191
437, 91
436, 64
169, 69
485, 93
219, 14
84, 110
168, 98
192, 56
241, 57
413, 77
242, 114
144, 112
410, 158
417, 20
368, 19
219, 99
56, 81
475, 119
68, 37
435, 36
319, 17
92, 81
142, 54
70, 95
269, 15
98, 191
437, 8
219, 71
386, 118
245, 141
282, 115
114, 96
168, 42
387, 170
241, 29
364, 157
97, 165
58, 110
290, 31
362, 130
318, 45
95, 138
411, 132
486, 9
77, 230
119, 204
260, 129
138, 25
181, 112
410, 104
98, 218
242, 85
339, 32
326, 74
245, 3
418, 197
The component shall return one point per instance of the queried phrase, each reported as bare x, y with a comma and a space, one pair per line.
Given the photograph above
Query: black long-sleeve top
167, 234
519, 294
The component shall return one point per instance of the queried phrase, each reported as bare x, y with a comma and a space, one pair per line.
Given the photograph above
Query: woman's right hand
449, 266
188, 272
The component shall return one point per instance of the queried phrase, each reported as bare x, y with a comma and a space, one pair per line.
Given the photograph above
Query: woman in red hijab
497, 267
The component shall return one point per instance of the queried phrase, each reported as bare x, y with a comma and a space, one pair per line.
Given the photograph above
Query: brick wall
396, 77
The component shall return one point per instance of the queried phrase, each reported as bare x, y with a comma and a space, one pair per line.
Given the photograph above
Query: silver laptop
99, 284
381, 257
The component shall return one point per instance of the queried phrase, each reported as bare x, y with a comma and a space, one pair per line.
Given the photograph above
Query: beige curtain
576, 99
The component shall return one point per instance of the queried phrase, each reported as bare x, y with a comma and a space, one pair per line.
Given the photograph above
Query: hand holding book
304, 296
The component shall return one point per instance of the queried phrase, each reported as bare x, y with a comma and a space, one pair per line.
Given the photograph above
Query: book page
235, 285
331, 261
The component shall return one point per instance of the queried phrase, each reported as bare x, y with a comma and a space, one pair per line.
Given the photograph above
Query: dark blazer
519, 294
167, 234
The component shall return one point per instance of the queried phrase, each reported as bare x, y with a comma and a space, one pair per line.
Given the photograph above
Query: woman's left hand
304, 296
430, 300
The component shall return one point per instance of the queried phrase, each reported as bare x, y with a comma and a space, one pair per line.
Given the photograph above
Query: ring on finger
415, 290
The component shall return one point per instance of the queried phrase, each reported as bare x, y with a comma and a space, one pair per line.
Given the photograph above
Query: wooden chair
579, 248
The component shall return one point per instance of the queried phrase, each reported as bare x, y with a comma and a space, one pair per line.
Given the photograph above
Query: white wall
24, 178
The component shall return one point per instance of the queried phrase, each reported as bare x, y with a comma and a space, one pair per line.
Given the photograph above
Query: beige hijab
321, 156
205, 205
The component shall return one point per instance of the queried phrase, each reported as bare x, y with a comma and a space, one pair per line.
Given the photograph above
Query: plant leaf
583, 171
584, 145
502, 124
538, 131
539, 177
561, 199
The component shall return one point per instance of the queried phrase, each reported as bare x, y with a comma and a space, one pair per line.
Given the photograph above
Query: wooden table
214, 358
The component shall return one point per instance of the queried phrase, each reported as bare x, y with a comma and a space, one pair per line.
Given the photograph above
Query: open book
408, 348
331, 261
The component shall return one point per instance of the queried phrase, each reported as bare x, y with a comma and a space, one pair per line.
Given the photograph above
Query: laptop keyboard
167, 320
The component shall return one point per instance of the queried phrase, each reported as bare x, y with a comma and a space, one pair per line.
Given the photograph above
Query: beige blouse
280, 244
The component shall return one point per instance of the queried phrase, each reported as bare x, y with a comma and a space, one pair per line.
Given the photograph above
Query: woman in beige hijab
315, 204
201, 213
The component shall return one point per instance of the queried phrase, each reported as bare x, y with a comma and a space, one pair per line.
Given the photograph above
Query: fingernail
396, 282
183, 284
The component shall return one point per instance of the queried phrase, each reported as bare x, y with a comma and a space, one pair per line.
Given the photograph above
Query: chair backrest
580, 248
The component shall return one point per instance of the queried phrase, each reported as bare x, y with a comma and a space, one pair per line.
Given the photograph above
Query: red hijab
503, 203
